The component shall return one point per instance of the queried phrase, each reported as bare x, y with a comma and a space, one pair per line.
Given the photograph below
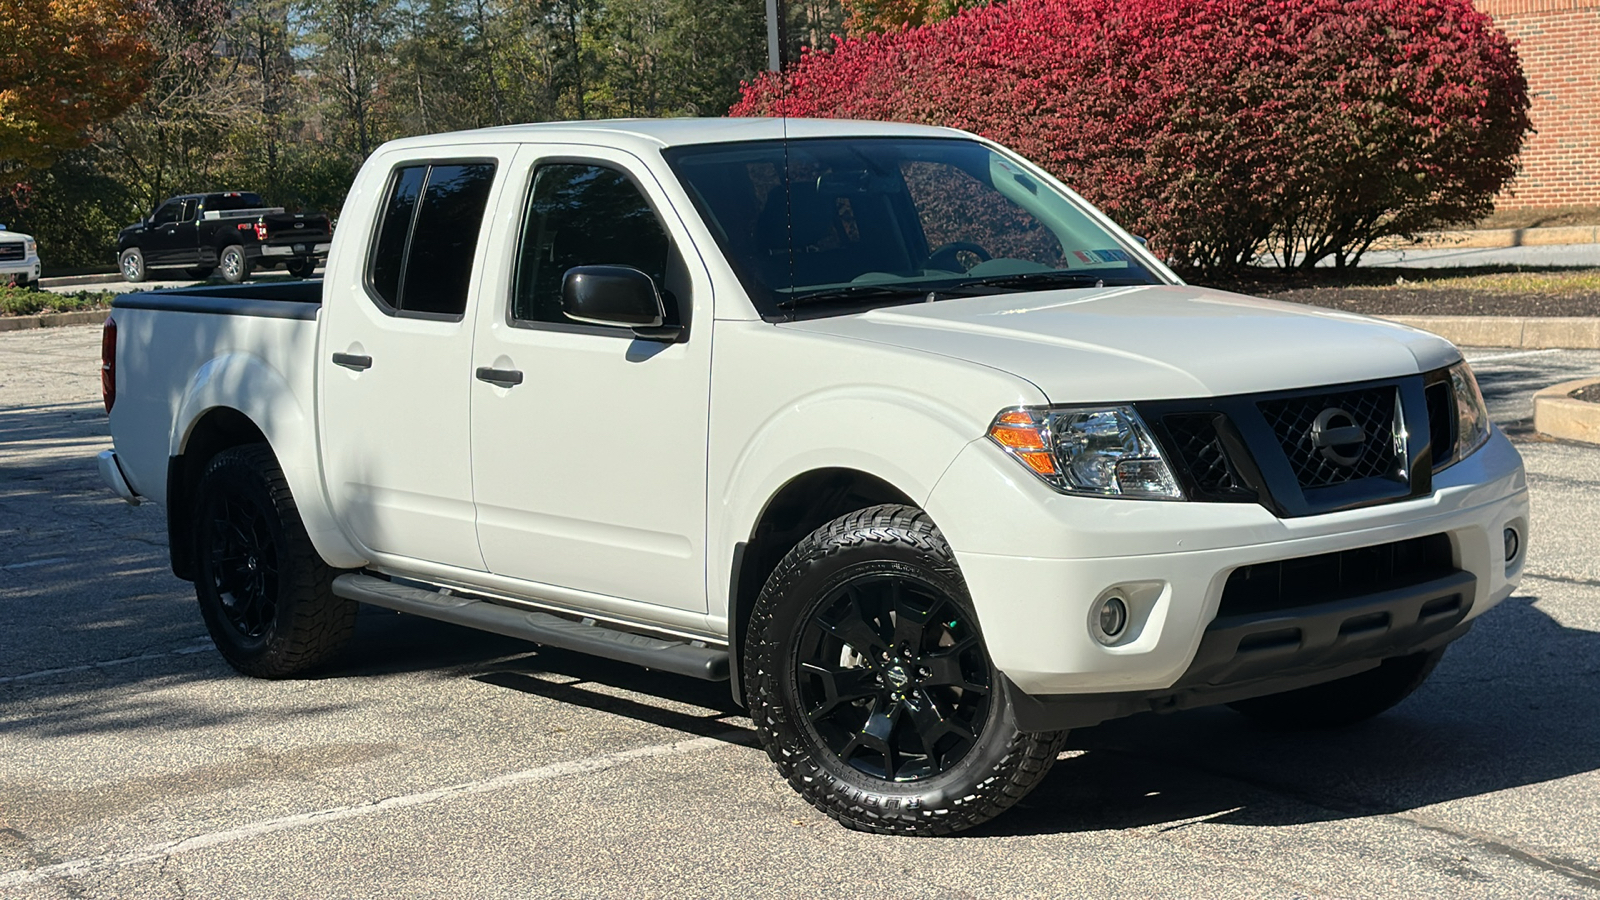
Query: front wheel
1346, 701
131, 263
235, 267
265, 594
870, 686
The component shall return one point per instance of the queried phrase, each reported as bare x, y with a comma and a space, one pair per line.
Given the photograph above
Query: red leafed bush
1220, 129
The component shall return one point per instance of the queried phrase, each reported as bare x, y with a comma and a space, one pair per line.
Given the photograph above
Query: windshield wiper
1058, 278
854, 293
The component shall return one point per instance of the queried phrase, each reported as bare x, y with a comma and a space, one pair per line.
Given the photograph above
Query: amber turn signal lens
1017, 438
1040, 462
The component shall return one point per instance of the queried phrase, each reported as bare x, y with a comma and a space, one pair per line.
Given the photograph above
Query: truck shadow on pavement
1514, 703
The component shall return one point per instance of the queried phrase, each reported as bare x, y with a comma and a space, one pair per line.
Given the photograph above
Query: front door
590, 472
396, 358
160, 241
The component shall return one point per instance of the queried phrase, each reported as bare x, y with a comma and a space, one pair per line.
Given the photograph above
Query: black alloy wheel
893, 678
871, 688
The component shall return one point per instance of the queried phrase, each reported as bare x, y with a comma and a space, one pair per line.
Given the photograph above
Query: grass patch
1547, 282
19, 302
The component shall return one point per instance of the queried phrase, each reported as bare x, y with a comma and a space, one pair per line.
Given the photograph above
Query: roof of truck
658, 133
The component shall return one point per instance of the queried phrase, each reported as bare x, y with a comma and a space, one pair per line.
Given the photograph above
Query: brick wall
1559, 42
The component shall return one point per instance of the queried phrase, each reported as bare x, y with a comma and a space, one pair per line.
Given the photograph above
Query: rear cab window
427, 231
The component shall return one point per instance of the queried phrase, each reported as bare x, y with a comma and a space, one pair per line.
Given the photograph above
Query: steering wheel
945, 258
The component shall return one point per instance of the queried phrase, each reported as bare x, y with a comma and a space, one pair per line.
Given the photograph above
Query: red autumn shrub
1220, 129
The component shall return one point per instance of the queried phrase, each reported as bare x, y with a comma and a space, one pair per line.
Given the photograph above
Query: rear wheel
301, 268
235, 267
870, 686
131, 263
1346, 701
265, 594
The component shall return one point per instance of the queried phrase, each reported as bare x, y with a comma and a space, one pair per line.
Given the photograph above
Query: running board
679, 657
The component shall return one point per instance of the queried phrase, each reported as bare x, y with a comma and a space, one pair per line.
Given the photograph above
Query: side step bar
678, 657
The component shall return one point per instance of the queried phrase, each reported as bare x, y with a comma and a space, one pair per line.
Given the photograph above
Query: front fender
248, 384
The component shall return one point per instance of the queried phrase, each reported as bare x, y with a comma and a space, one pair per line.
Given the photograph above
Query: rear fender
247, 384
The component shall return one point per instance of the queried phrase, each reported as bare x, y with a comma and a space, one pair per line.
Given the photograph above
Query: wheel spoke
840, 686
854, 629
877, 734
945, 670
910, 622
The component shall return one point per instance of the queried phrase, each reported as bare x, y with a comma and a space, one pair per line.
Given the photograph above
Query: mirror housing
619, 295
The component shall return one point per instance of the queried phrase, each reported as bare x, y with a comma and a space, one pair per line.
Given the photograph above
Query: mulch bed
1435, 302
1590, 393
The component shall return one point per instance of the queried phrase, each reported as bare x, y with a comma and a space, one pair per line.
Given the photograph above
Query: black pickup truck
234, 231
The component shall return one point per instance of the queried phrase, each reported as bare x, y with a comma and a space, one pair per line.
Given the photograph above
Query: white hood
1151, 342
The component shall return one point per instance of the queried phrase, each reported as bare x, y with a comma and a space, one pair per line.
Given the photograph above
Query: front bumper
1037, 564
24, 269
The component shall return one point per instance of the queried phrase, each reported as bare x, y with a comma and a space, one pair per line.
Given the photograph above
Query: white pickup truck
881, 423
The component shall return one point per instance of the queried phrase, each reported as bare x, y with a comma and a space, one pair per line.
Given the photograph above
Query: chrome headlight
1099, 451
29, 248
1471, 414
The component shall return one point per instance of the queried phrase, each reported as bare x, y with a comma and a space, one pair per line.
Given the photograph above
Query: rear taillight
108, 363
261, 231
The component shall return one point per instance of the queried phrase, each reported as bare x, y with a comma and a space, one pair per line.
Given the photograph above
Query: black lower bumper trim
1268, 653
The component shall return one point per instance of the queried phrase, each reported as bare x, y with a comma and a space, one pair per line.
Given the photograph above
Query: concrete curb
1558, 415
1522, 332
52, 320
70, 280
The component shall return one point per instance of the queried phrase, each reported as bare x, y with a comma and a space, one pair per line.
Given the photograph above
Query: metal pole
774, 45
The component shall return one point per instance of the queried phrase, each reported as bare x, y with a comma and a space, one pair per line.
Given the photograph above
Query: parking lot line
151, 852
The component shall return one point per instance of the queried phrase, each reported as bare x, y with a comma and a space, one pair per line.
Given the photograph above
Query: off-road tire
1335, 704
273, 625
130, 263
887, 542
233, 264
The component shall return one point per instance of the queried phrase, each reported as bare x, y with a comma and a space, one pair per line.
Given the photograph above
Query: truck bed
282, 300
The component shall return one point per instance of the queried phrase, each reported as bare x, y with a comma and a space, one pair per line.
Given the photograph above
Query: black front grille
1372, 409
1310, 580
12, 250
1199, 451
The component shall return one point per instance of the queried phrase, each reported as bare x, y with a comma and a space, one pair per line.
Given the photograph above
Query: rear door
590, 470
396, 364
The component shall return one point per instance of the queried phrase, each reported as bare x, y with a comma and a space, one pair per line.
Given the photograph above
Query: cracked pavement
436, 761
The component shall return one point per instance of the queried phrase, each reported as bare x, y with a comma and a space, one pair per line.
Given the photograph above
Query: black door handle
352, 361
500, 377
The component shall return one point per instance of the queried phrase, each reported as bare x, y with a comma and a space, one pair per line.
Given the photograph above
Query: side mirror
618, 295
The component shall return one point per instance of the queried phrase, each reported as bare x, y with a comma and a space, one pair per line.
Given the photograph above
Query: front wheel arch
804, 503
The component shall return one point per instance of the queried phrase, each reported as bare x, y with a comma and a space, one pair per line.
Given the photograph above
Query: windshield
831, 225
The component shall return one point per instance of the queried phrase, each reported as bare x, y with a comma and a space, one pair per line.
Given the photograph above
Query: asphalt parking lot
442, 762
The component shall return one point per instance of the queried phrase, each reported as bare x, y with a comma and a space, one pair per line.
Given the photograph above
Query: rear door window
428, 228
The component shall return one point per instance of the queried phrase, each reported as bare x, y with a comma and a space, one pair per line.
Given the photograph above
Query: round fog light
1513, 544
1112, 620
